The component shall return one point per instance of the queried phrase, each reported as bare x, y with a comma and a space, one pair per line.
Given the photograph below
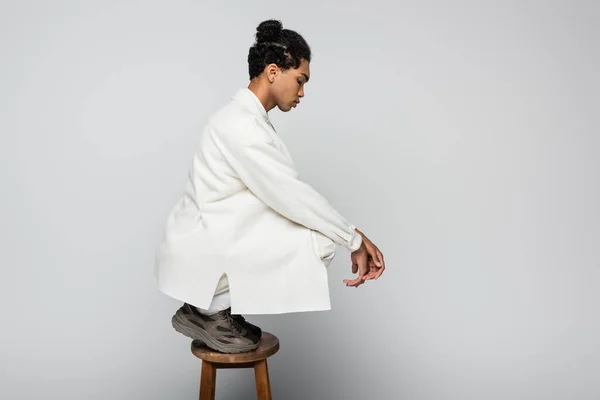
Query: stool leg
261, 375
208, 381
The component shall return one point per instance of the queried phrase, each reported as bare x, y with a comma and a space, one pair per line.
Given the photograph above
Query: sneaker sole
183, 326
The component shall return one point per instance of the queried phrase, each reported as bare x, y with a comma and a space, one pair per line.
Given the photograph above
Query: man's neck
260, 91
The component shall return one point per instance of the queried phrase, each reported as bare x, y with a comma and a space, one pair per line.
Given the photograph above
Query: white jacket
246, 214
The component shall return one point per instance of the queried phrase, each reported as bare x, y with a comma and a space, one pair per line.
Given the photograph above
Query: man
248, 236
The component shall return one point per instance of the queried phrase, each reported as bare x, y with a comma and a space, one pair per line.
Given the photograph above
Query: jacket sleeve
270, 175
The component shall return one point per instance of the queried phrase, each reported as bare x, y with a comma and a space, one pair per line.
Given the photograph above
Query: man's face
288, 86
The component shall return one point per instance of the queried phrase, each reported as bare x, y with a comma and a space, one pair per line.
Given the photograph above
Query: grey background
462, 137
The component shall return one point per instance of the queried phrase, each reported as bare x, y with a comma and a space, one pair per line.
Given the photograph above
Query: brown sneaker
255, 330
220, 331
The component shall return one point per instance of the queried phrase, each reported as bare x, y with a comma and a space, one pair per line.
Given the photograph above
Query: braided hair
275, 45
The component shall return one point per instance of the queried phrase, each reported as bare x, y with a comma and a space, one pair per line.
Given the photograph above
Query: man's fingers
363, 266
354, 282
373, 252
367, 266
380, 257
371, 275
377, 257
379, 272
382, 268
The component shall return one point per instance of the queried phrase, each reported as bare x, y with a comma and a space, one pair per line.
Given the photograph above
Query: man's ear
272, 70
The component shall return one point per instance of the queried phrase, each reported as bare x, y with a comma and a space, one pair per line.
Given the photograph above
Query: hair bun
268, 31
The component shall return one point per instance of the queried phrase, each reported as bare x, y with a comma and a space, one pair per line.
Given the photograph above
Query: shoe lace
239, 317
233, 321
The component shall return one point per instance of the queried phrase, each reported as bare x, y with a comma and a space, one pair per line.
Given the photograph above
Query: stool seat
256, 359
269, 345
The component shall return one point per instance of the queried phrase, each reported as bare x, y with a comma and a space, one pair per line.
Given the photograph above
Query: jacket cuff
356, 241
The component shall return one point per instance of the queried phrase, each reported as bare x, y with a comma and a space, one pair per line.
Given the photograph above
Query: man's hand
360, 264
367, 261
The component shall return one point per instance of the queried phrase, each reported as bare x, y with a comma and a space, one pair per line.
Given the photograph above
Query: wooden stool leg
208, 381
261, 375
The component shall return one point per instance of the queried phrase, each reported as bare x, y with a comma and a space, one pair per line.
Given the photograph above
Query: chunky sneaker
220, 331
255, 330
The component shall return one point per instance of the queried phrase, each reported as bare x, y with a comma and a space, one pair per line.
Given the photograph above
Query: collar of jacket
248, 99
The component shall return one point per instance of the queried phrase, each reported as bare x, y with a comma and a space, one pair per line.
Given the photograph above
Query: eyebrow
305, 76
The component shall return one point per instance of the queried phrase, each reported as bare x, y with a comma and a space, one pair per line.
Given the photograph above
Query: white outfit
324, 247
246, 214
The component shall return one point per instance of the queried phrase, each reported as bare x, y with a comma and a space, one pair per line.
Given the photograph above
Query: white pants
323, 246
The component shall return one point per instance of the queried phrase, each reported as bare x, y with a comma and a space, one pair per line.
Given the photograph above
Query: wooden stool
257, 359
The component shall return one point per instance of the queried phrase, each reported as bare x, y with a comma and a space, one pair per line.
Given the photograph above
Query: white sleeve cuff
355, 242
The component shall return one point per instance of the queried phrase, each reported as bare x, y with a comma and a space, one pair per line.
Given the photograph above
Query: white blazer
245, 213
